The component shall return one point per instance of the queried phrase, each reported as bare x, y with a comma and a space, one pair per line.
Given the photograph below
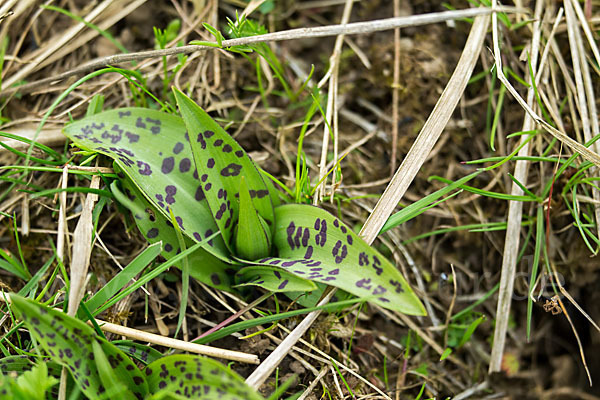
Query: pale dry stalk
331, 114
515, 208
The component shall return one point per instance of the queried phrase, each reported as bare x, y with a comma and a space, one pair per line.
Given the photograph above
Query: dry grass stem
395, 90
62, 220
49, 137
302, 33
515, 208
331, 113
585, 91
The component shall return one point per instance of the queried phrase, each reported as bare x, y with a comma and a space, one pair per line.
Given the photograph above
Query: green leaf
123, 277
221, 164
152, 149
31, 385
113, 387
70, 342
273, 279
470, 330
196, 377
446, 353
317, 246
15, 363
253, 236
204, 266
13, 265
141, 352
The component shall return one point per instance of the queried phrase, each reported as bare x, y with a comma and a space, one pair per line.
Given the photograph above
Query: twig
312, 385
395, 90
178, 344
302, 33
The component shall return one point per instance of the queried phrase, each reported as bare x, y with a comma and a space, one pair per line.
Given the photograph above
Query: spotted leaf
203, 265
70, 342
273, 279
221, 163
317, 246
152, 149
196, 377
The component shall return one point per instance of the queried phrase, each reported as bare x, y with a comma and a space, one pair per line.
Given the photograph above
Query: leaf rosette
189, 171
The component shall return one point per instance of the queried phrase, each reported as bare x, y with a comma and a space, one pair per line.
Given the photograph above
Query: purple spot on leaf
152, 233
376, 264
397, 285
232, 169
297, 237
288, 263
379, 290
290, 231
178, 148
184, 165
133, 138
309, 252
339, 251
262, 193
201, 141
305, 237
283, 285
364, 284
199, 196
363, 259
167, 165
144, 169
